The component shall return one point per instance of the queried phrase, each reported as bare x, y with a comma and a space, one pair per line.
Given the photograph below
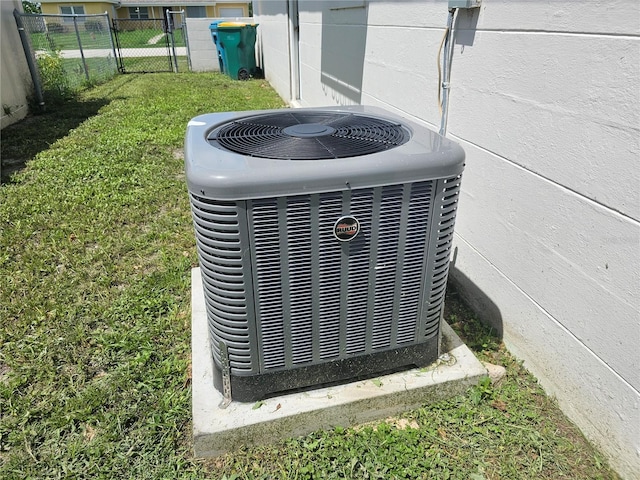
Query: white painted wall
15, 80
545, 99
272, 44
202, 51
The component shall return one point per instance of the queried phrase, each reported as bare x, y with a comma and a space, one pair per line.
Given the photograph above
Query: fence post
170, 29
33, 70
84, 62
116, 42
113, 47
185, 36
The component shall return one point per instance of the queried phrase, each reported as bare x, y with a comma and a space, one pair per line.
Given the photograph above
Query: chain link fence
68, 51
151, 45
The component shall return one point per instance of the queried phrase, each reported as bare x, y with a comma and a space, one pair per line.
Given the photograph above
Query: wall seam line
539, 175
545, 312
627, 36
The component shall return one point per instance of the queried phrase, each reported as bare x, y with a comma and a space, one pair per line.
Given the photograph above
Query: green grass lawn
69, 40
154, 64
96, 248
100, 69
141, 38
54, 41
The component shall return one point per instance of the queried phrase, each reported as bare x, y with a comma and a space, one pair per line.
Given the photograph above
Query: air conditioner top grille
233, 156
305, 135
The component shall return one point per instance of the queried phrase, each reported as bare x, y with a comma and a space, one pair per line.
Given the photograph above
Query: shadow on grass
478, 333
23, 140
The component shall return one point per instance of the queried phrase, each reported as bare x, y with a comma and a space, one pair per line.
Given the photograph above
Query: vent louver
309, 136
289, 303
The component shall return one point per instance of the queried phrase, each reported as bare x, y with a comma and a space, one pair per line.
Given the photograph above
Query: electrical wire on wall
444, 71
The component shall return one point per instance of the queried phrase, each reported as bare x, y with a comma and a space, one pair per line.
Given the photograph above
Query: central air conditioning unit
323, 238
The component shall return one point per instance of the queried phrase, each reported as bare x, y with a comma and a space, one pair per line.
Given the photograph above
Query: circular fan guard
303, 135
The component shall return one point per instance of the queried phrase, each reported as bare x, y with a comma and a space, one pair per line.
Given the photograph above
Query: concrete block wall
545, 101
272, 44
202, 51
15, 80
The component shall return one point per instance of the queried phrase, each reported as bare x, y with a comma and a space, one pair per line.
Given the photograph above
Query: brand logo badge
346, 228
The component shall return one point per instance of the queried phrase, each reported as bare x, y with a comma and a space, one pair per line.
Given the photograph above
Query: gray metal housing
294, 305
226, 176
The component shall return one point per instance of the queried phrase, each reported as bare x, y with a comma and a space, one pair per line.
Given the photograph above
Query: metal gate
151, 44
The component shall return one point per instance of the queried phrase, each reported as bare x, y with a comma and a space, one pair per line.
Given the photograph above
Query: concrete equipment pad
217, 431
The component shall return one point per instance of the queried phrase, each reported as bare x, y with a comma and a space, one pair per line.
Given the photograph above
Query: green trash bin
219, 51
238, 42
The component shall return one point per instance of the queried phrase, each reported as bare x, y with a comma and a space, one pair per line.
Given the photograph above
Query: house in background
147, 9
81, 7
143, 9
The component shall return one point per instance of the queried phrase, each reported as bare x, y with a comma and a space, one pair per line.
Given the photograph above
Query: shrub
55, 83
94, 26
56, 28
